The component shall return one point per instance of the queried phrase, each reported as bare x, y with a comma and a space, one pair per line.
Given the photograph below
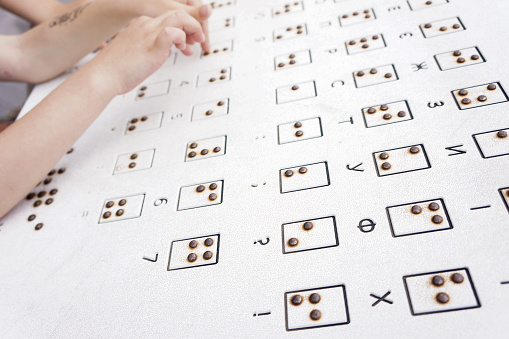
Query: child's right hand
143, 47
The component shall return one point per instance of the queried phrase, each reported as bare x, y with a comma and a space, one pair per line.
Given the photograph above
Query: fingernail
204, 11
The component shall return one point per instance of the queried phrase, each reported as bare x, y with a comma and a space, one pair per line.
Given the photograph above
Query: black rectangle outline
303, 189
494, 82
209, 102
339, 17
286, 102
198, 77
272, 9
129, 121
479, 146
151, 163
123, 197
447, 1
305, 50
418, 202
219, 155
506, 201
155, 96
389, 123
380, 83
183, 268
456, 309
392, 149
478, 52
312, 289
276, 40
319, 122
205, 183
302, 221
383, 39
202, 55
457, 17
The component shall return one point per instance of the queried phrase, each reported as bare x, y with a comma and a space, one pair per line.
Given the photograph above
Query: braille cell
219, 48
352, 18
316, 175
292, 60
202, 195
153, 90
131, 208
308, 235
194, 252
144, 123
308, 129
441, 27
403, 159
375, 76
210, 109
214, 77
290, 32
481, 95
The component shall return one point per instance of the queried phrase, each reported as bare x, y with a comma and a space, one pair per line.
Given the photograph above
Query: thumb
200, 13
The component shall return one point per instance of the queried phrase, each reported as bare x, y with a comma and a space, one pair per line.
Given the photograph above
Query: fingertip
205, 11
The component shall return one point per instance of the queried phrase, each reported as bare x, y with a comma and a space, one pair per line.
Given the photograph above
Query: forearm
34, 144
34, 11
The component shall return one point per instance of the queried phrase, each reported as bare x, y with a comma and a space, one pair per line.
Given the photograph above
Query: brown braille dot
427, 26
30, 196
224, 70
492, 87
401, 114
109, 204
222, 77
38, 226
428, 3
192, 257
387, 116
49, 201
206, 53
296, 300
144, 118
437, 280
501, 134
460, 60
315, 315
134, 156
355, 13
288, 173
41, 194
373, 71
367, 16
384, 107
279, 37
388, 75
371, 110
303, 170
299, 133
106, 215
443, 29
132, 128
314, 298
456, 26
212, 196
212, 186
463, 92
457, 278
295, 87
291, 56
364, 40
132, 165
209, 242
31, 217
141, 95
366, 11
474, 57
442, 298
456, 53
61, 170
281, 64
360, 73
204, 151
374, 37
193, 145
414, 150
292, 242
225, 49
52, 172
345, 16
352, 42
133, 121
416, 209
192, 154
365, 46
212, 79
207, 255
216, 149
193, 244
308, 225
293, 62
122, 202
482, 98
143, 88
386, 166
209, 112
70, 151
216, 51
384, 156
434, 206
119, 212
436, 219
200, 188
298, 124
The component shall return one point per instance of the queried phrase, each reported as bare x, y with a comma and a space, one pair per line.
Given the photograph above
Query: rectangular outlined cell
116, 209
219, 48
287, 8
301, 91
356, 17
290, 32
291, 60
206, 148
493, 143
442, 27
365, 44
201, 195
144, 123
153, 90
401, 160
134, 161
504, 193
312, 234
386, 114
211, 109
480, 95
459, 58
304, 177
194, 252
375, 76
441, 291
214, 77
418, 217
299, 130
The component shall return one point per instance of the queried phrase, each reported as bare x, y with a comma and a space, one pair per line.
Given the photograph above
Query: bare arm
35, 11
27, 156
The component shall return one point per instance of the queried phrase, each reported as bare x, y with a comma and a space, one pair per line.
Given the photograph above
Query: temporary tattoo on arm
69, 16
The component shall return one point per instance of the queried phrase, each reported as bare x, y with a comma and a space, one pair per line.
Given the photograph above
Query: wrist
99, 82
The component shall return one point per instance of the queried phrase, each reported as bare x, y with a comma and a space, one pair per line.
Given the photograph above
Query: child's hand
143, 47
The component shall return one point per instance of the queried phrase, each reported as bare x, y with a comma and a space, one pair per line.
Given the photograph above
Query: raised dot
207, 255
293, 62
360, 73
308, 225
436, 219
144, 118
460, 60
428, 3
474, 57
315, 315
209, 112
303, 170
119, 212
299, 133
292, 242
288, 173
193, 145
367, 16
217, 149
52, 172
501, 134
384, 156
371, 110
222, 77
482, 98
492, 87
204, 151
386, 166
365, 46
220, 103
193, 244
37, 203
401, 114
143, 88
106, 215
192, 154
345, 16
212, 196
384, 107
355, 13
456, 26
122, 202
298, 124
41, 194
434, 206
38, 226
213, 186
295, 87
200, 188
442, 298
443, 29
212, 79
387, 116
134, 156
427, 26
416, 209
192, 257
388, 75
61, 170
352, 42
141, 95
364, 40
457, 278
456, 53
47, 181
414, 150
30, 196
109, 204
49, 201
291, 56
132, 128
281, 64
374, 37
314, 298
373, 71
462, 92
437, 280
132, 165
296, 300
31, 217
224, 70
209, 242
